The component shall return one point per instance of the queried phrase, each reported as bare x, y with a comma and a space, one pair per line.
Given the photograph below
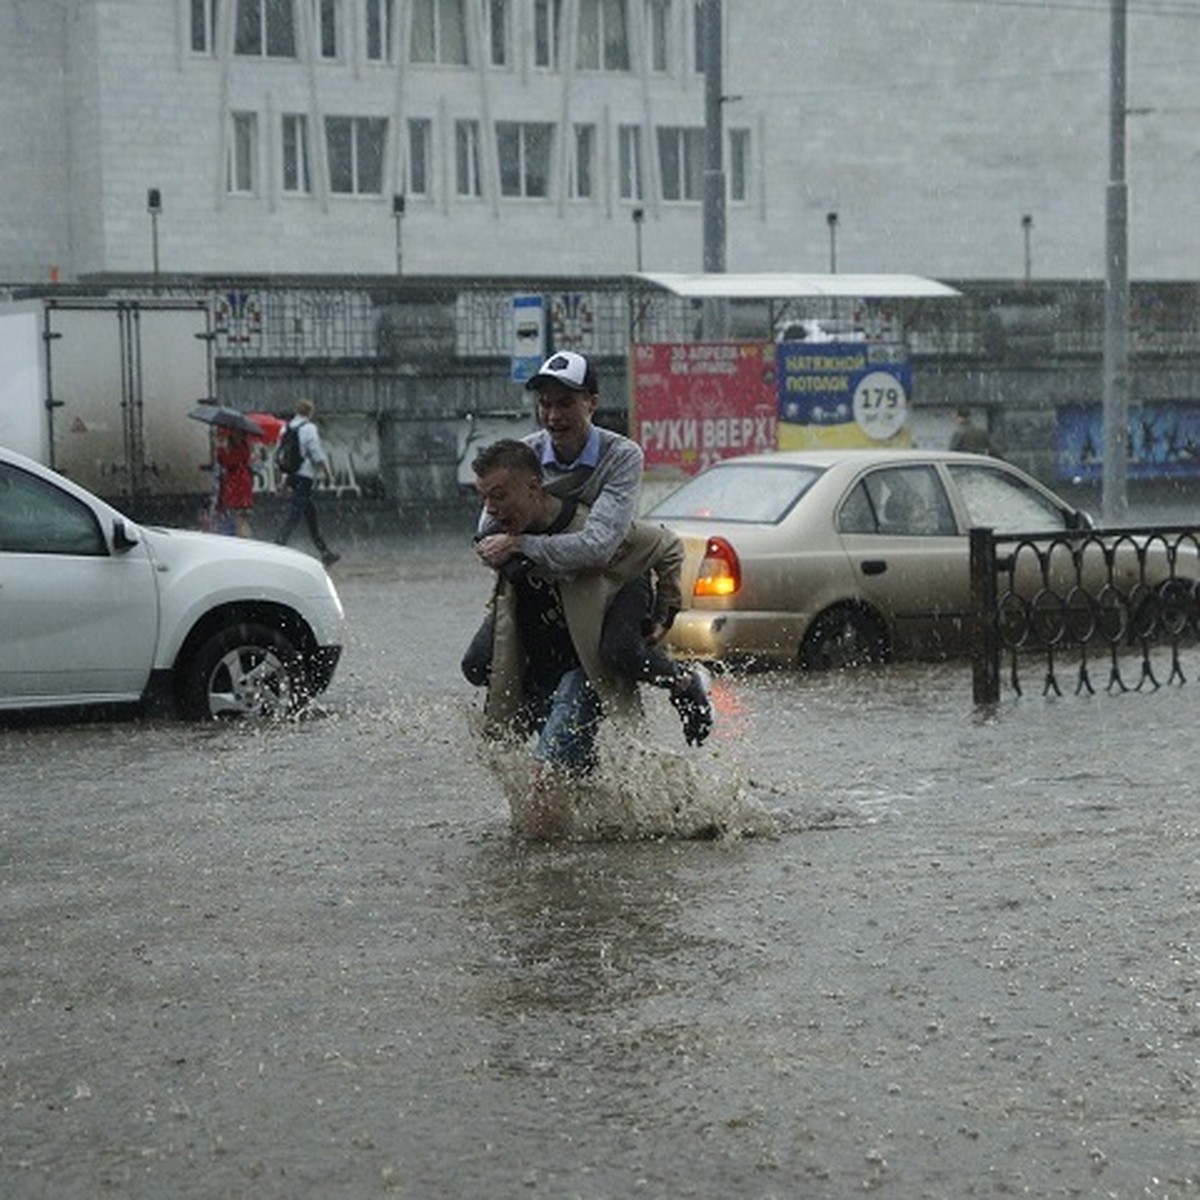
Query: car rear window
762, 493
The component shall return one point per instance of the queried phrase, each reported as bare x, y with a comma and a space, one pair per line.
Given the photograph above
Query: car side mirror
124, 538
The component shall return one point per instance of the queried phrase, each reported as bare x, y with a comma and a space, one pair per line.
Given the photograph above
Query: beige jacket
585, 599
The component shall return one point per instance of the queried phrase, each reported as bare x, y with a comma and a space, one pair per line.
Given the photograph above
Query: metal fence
1122, 604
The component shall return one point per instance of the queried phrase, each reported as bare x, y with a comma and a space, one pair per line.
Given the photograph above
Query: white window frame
202, 20
418, 174
269, 12
241, 160
327, 20
547, 33
685, 144
738, 174
359, 127
380, 17
498, 23
581, 183
630, 177
441, 53
658, 36
295, 166
468, 178
598, 15
527, 164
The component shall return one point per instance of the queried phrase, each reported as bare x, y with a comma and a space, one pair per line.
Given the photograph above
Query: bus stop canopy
786, 285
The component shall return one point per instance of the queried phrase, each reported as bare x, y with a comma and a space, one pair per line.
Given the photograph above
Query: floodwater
935, 953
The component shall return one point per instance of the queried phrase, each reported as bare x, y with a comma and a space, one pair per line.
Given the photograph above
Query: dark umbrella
226, 418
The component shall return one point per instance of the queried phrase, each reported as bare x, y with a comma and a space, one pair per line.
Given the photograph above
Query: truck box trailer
100, 390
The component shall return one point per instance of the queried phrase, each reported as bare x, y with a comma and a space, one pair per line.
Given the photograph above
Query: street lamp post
831, 219
154, 207
1027, 229
638, 215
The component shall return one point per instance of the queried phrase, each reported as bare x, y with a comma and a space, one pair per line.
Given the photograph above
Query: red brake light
720, 573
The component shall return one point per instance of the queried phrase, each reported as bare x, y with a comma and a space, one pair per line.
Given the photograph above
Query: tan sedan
823, 559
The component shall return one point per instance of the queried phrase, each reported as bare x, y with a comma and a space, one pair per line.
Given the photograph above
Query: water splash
638, 791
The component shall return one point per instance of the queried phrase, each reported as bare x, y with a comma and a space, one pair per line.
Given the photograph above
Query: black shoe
329, 558
694, 706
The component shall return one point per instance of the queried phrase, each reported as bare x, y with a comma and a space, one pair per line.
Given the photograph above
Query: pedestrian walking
300, 475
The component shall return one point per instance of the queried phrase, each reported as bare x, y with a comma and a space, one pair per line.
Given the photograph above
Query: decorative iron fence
1125, 600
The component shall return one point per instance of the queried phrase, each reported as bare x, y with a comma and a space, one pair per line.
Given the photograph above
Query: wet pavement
939, 954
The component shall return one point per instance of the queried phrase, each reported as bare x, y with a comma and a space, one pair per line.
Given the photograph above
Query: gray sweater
611, 488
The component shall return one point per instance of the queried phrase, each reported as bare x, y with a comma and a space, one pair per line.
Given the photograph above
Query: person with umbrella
235, 486
233, 497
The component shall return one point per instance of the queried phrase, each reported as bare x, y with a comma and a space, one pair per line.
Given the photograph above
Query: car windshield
758, 492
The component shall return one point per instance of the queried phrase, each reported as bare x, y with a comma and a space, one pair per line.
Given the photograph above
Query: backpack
288, 456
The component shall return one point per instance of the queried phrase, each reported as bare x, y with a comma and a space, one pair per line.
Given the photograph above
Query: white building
279, 137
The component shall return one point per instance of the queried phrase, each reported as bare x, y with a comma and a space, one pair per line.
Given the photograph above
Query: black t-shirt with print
541, 623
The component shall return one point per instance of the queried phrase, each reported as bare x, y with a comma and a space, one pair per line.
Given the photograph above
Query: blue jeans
566, 719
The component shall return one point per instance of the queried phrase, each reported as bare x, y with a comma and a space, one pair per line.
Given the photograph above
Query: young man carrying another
546, 671
601, 469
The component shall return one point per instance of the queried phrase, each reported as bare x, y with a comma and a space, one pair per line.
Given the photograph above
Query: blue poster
843, 394
529, 336
1163, 441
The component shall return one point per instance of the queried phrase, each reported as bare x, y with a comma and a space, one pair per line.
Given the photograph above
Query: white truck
100, 389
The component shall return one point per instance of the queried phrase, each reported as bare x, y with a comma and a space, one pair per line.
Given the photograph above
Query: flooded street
958, 956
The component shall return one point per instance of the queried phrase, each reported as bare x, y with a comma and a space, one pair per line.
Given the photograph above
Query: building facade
508, 137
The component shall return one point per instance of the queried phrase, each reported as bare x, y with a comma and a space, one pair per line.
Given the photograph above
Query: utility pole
1115, 500
715, 313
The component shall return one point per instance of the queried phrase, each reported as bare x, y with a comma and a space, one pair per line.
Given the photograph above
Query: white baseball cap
568, 368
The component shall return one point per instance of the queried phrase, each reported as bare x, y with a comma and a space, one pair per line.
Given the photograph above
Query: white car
98, 610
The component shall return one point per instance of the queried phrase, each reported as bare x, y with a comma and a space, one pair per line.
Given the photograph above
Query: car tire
244, 670
845, 636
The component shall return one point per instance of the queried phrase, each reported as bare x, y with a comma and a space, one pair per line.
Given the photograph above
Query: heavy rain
916, 949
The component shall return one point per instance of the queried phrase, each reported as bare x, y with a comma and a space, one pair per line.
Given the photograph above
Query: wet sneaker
693, 705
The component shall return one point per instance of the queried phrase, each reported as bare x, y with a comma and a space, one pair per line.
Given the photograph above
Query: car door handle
873, 566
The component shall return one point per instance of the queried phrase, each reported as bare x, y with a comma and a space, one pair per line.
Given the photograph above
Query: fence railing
1124, 602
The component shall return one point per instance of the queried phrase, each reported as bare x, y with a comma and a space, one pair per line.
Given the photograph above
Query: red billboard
696, 402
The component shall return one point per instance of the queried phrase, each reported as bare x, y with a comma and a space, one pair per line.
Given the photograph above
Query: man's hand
497, 548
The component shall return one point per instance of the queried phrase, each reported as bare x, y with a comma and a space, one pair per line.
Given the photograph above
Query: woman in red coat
236, 494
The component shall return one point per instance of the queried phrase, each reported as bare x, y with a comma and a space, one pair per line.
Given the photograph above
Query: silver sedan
822, 559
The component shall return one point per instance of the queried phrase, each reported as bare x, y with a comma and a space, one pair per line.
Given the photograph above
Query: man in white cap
603, 470
580, 461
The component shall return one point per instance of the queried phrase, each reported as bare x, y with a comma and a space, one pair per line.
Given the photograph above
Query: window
739, 164
629, 162
1004, 503
681, 162
547, 27
439, 32
354, 146
498, 31
295, 153
266, 28
240, 173
466, 158
204, 26
524, 154
900, 502
658, 22
379, 30
603, 35
698, 36
37, 518
420, 137
583, 163
325, 22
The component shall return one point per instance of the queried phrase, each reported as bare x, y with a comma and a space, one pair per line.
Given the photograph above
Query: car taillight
720, 573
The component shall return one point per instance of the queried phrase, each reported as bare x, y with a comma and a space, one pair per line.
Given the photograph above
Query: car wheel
244, 670
846, 636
